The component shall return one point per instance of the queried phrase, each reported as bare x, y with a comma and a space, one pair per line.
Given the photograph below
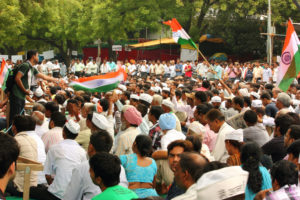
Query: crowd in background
172, 130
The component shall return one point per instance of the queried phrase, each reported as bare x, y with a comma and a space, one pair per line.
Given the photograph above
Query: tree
118, 19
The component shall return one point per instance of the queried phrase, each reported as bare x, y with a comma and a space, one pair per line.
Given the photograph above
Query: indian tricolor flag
290, 59
100, 83
3, 72
179, 34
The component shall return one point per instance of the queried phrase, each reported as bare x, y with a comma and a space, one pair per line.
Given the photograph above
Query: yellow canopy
154, 42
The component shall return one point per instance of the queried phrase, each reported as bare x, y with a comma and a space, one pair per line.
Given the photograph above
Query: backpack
10, 81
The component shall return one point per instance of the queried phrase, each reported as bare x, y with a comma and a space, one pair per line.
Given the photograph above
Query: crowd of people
172, 130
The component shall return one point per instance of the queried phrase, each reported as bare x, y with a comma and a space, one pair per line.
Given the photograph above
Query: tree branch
297, 4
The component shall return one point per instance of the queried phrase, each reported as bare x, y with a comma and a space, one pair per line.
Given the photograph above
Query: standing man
55, 69
23, 82
178, 67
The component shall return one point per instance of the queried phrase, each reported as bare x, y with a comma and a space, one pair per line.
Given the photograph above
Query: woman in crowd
259, 177
140, 168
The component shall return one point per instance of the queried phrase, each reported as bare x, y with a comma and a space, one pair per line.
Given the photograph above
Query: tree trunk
111, 53
205, 7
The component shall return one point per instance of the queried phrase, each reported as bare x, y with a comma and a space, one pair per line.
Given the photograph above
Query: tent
210, 38
219, 56
153, 43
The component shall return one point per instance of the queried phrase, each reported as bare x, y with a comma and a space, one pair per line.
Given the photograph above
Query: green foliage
71, 24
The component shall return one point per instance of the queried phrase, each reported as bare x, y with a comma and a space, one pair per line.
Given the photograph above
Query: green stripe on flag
190, 42
291, 73
104, 88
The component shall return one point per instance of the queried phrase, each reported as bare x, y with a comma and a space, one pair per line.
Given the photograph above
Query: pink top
189, 73
209, 138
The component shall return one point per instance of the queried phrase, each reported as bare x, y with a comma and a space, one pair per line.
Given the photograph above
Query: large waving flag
290, 59
179, 34
100, 83
3, 72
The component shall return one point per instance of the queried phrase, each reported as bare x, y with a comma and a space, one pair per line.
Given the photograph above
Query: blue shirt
219, 70
178, 66
266, 183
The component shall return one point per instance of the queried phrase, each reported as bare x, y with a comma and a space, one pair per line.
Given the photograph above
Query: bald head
38, 117
193, 163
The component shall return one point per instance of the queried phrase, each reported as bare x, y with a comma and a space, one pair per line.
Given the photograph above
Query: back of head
52, 106
295, 132
283, 122
38, 107
285, 99
24, 123
250, 116
200, 95
156, 111
107, 167
265, 95
105, 104
196, 140
9, 152
186, 145
214, 114
143, 109
215, 165
294, 149
202, 109
144, 145
250, 158
193, 163
31, 53
38, 117
157, 98
285, 173
239, 101
58, 119
101, 141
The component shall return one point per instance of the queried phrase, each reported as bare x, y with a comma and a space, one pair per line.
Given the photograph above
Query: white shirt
104, 68
131, 68
190, 194
42, 129
169, 137
53, 136
167, 69
220, 152
81, 185
143, 127
172, 70
267, 74
41, 154
62, 158
144, 68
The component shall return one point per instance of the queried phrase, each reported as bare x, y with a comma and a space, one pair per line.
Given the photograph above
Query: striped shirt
52, 137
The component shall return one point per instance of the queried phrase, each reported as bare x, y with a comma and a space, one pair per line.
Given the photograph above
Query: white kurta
61, 159
219, 152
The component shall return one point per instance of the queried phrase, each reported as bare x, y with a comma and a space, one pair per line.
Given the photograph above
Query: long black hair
250, 157
144, 145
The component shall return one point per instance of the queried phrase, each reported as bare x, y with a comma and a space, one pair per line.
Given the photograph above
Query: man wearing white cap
61, 159
216, 102
81, 185
38, 95
134, 100
233, 143
166, 93
225, 183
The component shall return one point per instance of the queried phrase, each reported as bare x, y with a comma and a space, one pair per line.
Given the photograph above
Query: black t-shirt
275, 148
271, 110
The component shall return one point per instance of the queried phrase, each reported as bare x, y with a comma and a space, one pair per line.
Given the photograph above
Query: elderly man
283, 104
187, 172
216, 122
131, 119
40, 127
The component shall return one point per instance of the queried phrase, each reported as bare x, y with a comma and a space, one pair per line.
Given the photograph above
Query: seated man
61, 159
105, 172
81, 185
9, 152
187, 172
28, 149
255, 132
167, 123
284, 181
